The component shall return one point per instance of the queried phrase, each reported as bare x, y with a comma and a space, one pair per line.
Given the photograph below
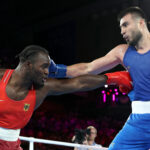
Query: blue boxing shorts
135, 135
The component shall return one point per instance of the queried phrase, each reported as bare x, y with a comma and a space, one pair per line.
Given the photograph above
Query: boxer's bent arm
81, 83
99, 65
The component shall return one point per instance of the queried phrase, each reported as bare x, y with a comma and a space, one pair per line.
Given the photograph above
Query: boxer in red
23, 89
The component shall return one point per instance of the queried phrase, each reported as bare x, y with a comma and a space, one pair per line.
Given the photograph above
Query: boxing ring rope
31, 141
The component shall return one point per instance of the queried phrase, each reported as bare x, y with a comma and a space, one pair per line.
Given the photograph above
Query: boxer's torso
15, 114
139, 67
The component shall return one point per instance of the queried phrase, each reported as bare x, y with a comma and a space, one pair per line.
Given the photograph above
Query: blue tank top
139, 67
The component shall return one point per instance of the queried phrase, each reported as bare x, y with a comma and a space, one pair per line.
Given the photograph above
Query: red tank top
15, 114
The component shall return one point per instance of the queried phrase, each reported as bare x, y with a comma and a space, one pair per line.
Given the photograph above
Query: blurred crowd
61, 128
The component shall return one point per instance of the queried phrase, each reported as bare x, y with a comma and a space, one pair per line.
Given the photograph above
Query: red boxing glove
122, 79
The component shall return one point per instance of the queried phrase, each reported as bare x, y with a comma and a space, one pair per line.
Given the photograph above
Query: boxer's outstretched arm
110, 60
81, 83
64, 86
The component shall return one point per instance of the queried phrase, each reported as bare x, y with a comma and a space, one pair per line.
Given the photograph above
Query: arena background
72, 31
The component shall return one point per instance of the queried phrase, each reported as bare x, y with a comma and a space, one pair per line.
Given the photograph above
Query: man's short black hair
134, 11
30, 51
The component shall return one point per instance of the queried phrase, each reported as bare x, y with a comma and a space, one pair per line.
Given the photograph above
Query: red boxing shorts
10, 145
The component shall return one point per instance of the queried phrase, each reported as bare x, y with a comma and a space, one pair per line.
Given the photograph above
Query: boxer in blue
135, 57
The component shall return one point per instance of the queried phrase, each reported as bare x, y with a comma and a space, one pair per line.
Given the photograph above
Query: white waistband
140, 107
9, 134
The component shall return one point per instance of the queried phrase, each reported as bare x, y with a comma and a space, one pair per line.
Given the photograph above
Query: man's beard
36, 81
136, 39
37, 85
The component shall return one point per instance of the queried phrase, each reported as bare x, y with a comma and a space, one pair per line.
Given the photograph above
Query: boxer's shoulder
122, 47
120, 51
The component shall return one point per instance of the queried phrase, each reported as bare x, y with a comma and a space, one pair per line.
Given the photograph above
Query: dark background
72, 31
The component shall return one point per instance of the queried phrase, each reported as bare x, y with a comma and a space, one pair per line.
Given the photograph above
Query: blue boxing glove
57, 70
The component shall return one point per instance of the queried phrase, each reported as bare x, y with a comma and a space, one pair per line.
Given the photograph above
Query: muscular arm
81, 83
110, 60
63, 86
